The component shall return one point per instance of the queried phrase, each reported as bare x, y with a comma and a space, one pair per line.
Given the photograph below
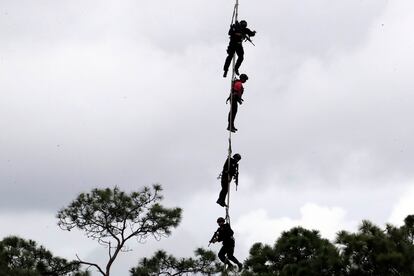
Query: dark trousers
227, 249
233, 111
237, 48
225, 180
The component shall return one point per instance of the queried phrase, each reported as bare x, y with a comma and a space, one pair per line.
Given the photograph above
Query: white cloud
258, 226
42, 228
403, 207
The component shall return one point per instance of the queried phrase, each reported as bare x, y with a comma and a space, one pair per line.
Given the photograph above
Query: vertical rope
233, 20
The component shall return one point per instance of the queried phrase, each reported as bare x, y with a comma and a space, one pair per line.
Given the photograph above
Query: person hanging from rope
226, 177
238, 32
235, 98
224, 234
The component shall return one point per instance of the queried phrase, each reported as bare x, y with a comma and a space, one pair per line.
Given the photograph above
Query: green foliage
373, 251
24, 257
108, 213
297, 252
261, 260
112, 217
204, 263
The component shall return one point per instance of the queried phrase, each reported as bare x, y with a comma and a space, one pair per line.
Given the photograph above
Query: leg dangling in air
232, 116
231, 49
224, 189
240, 57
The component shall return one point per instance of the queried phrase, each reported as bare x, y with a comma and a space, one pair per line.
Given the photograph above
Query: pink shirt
238, 88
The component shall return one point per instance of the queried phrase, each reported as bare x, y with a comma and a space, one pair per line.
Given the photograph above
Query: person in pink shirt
235, 98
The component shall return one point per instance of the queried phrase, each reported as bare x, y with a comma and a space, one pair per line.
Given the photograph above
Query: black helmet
243, 23
220, 219
237, 156
244, 77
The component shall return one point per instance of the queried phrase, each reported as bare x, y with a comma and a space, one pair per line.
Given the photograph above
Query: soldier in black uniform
225, 234
238, 32
227, 175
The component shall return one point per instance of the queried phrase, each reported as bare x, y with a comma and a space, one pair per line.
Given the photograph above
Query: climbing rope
233, 76
235, 13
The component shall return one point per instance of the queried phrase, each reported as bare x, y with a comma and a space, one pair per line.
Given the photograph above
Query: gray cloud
86, 113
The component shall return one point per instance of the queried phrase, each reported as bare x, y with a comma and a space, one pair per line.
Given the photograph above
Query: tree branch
91, 264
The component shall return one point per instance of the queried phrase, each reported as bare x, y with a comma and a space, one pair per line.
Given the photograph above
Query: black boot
221, 203
232, 129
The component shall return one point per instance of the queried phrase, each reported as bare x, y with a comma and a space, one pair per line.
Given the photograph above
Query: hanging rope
228, 181
235, 13
233, 20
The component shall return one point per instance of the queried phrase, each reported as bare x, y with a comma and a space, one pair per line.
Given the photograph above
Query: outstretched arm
250, 32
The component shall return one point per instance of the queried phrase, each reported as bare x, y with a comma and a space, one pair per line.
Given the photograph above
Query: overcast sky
130, 93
